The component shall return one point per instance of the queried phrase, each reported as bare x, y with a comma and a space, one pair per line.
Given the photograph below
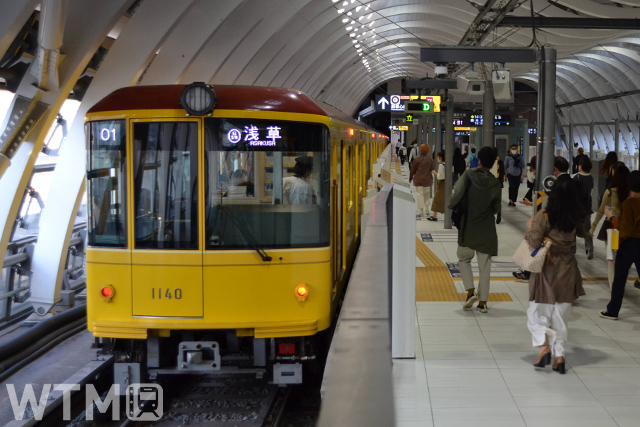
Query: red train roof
229, 98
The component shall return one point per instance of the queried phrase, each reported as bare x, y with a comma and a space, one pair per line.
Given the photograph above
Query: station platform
474, 368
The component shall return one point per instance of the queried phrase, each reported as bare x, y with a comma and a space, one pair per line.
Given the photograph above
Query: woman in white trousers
552, 291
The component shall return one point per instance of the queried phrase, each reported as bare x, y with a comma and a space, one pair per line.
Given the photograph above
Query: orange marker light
302, 292
351, 132
107, 292
373, 135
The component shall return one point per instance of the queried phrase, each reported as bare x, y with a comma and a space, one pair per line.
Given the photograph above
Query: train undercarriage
284, 361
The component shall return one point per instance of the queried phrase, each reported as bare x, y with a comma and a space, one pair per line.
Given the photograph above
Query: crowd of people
478, 180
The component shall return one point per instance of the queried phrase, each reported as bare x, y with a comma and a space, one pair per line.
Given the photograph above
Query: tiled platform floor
475, 369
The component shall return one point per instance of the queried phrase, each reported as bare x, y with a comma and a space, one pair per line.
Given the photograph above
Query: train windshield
106, 183
266, 184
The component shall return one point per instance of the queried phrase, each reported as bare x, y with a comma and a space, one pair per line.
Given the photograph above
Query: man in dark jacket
577, 159
477, 235
514, 167
584, 185
561, 170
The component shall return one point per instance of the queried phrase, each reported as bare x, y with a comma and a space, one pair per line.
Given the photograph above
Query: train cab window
165, 191
106, 183
267, 184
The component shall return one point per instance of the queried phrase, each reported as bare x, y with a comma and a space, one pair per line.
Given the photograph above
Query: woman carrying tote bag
612, 199
552, 291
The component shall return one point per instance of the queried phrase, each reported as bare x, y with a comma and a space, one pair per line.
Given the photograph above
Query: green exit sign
419, 107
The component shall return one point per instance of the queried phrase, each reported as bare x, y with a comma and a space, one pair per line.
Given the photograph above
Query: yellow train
221, 221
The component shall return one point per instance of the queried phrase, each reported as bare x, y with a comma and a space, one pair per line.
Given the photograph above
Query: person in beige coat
421, 175
437, 206
612, 199
552, 291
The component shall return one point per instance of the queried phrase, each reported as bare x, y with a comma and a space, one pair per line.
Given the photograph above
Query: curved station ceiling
338, 51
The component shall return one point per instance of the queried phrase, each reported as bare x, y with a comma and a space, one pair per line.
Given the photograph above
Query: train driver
296, 189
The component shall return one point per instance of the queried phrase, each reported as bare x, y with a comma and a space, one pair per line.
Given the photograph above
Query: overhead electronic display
499, 120
419, 107
395, 103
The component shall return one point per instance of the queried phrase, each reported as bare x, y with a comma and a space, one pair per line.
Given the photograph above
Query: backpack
474, 161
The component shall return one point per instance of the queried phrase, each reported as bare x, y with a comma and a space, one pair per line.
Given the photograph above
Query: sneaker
431, 218
470, 300
605, 315
482, 308
521, 275
590, 253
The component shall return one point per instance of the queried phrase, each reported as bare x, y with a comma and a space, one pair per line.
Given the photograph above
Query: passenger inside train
296, 189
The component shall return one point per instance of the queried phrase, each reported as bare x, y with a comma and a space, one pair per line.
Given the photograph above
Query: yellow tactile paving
434, 283
397, 166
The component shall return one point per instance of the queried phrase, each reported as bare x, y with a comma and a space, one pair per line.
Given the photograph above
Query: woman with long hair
614, 195
438, 199
629, 251
606, 168
552, 291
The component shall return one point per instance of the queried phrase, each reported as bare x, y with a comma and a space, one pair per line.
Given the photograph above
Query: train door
356, 188
350, 187
338, 229
167, 249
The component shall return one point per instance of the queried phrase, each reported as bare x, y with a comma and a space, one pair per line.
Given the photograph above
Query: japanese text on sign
253, 138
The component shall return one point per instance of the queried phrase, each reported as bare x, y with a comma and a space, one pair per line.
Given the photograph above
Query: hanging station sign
395, 103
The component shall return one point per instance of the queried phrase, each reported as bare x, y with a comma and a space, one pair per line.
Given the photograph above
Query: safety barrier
357, 388
15, 279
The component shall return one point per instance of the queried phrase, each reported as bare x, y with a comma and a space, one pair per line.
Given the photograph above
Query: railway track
212, 401
240, 401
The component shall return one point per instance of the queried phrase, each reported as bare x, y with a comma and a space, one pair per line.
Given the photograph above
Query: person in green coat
477, 234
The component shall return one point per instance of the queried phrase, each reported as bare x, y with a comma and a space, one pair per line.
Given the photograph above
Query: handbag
531, 259
606, 225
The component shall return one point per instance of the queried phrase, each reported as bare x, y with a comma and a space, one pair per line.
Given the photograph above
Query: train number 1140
166, 293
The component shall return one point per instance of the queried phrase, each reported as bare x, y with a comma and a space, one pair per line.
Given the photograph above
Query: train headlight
198, 99
107, 292
302, 291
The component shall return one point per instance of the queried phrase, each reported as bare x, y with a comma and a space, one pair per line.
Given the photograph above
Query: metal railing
357, 387
15, 278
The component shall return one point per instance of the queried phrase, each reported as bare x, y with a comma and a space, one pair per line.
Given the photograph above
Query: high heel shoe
544, 361
560, 368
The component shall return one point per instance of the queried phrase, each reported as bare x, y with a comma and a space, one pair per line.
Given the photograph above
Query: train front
209, 233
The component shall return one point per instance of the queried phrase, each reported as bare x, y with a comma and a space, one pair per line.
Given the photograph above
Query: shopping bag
606, 225
613, 237
531, 259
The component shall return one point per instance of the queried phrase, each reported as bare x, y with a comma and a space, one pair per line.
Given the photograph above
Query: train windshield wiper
246, 234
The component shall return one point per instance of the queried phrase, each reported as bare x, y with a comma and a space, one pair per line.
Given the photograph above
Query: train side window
165, 185
107, 183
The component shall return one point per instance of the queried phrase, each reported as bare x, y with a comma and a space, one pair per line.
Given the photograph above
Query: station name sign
395, 103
